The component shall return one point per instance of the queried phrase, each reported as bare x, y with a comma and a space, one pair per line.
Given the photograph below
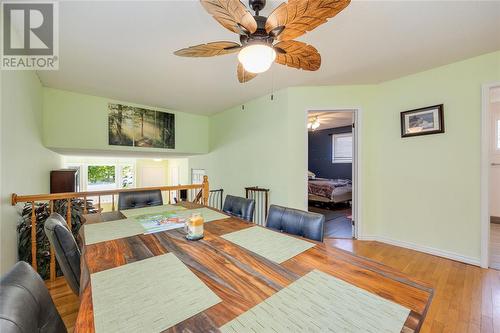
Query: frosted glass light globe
257, 58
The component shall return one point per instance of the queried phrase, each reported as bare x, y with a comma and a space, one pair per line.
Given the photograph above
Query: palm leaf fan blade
300, 16
209, 50
231, 14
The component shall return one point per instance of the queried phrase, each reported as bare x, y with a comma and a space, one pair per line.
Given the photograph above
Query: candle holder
194, 227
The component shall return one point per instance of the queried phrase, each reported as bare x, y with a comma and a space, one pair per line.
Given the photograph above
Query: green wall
25, 162
250, 147
419, 192
80, 122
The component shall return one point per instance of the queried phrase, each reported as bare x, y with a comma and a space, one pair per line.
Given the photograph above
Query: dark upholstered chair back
239, 207
296, 222
139, 199
67, 251
25, 303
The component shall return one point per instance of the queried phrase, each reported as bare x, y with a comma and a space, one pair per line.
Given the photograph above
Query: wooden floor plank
66, 301
466, 297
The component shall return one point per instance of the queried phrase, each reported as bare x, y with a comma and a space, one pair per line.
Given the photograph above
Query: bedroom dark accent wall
320, 154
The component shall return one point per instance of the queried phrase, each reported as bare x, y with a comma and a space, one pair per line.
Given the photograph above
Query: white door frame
356, 165
485, 172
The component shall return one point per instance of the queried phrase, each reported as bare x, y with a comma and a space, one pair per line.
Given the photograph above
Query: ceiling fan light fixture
314, 123
257, 58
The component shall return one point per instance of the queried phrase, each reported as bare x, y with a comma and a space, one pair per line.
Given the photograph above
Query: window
101, 174
342, 148
104, 174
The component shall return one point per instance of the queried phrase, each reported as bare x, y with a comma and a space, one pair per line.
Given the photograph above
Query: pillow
311, 175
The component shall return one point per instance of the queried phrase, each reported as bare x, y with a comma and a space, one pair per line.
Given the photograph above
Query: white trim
356, 165
485, 173
423, 248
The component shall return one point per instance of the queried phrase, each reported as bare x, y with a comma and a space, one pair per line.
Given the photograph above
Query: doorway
332, 169
491, 106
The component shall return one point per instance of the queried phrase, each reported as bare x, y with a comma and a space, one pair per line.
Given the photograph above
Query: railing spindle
261, 197
99, 201
84, 204
113, 202
206, 191
33, 236
52, 266
68, 214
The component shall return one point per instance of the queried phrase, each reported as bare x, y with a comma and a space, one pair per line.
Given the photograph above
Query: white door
494, 110
197, 176
354, 200
495, 158
174, 176
174, 181
153, 176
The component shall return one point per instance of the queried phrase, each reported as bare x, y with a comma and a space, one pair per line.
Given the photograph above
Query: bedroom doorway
332, 169
491, 199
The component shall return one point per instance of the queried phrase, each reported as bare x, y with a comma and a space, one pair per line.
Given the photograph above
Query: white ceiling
329, 119
123, 49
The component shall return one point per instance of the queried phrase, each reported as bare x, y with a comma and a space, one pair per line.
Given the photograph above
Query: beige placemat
270, 244
148, 296
151, 210
105, 231
318, 302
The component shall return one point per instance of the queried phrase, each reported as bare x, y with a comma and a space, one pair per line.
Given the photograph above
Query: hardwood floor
495, 245
466, 298
337, 223
66, 301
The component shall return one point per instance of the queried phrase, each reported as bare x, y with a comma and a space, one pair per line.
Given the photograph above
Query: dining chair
67, 252
296, 222
239, 207
25, 303
139, 199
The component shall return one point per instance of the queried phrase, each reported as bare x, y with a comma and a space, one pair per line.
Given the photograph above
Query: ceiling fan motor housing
260, 36
257, 5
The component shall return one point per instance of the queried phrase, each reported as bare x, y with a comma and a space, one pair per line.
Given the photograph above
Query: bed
330, 190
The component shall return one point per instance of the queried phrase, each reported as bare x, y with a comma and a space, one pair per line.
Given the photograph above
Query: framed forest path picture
139, 127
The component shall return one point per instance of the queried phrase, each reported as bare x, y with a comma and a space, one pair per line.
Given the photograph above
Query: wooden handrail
201, 196
15, 199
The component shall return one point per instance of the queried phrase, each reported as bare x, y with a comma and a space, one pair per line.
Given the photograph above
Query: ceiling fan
258, 34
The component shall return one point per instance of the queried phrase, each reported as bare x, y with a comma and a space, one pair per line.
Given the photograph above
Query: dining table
239, 277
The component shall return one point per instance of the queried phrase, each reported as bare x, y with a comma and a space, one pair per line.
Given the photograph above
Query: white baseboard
425, 249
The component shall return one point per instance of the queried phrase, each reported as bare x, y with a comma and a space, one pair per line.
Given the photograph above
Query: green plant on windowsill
42, 212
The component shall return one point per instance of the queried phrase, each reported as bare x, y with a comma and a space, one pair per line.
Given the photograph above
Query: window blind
342, 148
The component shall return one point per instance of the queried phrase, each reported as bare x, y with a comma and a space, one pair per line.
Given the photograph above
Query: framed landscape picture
139, 127
423, 121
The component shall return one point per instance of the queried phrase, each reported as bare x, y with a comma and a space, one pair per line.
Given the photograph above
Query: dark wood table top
241, 278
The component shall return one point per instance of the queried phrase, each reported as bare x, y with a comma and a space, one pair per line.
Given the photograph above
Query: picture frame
422, 121
139, 127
